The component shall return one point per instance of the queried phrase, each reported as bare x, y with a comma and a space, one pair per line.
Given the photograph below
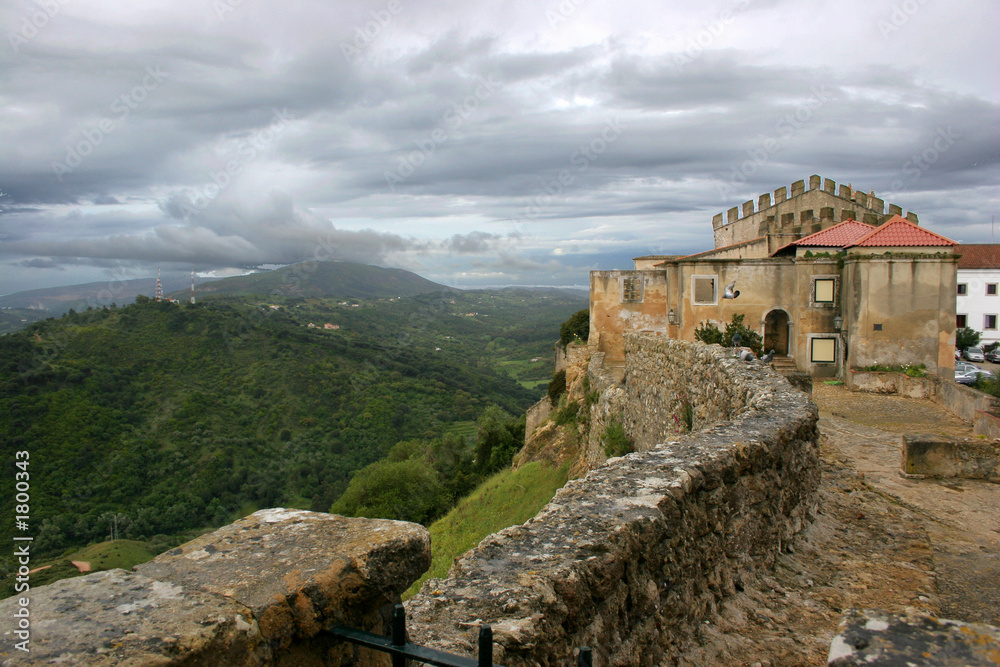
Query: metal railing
402, 650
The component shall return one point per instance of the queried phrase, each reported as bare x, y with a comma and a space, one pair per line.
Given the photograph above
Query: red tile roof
838, 236
898, 231
979, 256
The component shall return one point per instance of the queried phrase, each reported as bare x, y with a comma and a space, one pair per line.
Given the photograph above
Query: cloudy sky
474, 143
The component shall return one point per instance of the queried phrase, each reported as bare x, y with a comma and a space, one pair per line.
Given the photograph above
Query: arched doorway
776, 331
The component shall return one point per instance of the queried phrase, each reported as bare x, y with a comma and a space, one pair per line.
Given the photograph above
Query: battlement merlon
863, 203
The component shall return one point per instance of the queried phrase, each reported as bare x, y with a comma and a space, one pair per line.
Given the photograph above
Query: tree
576, 327
708, 332
406, 490
748, 337
966, 337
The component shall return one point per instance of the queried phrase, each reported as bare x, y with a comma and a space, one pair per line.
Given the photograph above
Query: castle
830, 279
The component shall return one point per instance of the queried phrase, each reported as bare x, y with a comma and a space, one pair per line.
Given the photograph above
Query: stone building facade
829, 294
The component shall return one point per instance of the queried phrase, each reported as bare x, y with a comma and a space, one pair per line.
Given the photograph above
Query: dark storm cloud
268, 134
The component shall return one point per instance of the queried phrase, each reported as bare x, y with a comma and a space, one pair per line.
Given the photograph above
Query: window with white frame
989, 321
705, 289
823, 350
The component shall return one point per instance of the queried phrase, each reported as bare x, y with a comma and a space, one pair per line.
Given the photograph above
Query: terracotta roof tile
898, 231
837, 236
979, 256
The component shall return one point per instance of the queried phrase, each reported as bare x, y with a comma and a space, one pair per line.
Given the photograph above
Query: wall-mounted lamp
672, 316
838, 322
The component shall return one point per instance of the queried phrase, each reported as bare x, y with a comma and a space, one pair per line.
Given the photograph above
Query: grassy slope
507, 499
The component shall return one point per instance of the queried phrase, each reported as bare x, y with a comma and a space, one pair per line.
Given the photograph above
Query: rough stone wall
632, 558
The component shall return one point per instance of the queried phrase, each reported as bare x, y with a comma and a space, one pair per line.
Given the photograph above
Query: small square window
824, 350
991, 289
989, 321
876, 327
963, 289
961, 321
705, 290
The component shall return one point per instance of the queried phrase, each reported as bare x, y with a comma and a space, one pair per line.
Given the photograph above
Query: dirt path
879, 541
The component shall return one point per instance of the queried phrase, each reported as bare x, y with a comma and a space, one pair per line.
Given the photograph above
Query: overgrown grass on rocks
509, 498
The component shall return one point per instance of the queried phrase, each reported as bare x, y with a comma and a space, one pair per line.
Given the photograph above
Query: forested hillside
178, 416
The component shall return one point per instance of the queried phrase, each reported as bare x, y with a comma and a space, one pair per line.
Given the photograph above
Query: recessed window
705, 289
824, 350
961, 321
991, 289
876, 327
823, 290
963, 289
631, 290
989, 321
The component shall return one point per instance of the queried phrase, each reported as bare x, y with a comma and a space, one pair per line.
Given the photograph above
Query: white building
977, 304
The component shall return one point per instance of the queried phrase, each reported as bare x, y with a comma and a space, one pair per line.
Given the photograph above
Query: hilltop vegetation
179, 417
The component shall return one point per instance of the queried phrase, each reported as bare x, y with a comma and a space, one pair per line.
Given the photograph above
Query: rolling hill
322, 279
183, 416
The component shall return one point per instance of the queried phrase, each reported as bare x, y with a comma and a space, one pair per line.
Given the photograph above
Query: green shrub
557, 387
567, 414
708, 333
615, 441
576, 328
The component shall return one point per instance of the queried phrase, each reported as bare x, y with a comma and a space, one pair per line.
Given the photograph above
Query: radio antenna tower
192, 286
159, 287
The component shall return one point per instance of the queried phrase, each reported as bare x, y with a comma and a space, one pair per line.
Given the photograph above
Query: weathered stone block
874, 638
298, 571
936, 456
118, 617
256, 592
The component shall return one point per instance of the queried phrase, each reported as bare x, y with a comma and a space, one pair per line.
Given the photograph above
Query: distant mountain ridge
323, 279
58, 300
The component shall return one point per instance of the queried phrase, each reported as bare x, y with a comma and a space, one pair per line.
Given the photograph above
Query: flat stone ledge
256, 592
299, 572
873, 638
121, 618
927, 455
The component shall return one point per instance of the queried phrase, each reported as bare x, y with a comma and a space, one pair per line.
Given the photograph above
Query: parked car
974, 354
965, 366
958, 354
993, 355
970, 377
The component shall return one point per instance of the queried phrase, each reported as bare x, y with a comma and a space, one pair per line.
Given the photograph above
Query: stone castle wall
629, 560
632, 558
803, 209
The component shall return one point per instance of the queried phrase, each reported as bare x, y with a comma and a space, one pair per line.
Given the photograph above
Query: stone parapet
256, 592
631, 559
